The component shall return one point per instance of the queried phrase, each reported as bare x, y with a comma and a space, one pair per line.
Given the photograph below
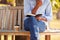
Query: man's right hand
38, 2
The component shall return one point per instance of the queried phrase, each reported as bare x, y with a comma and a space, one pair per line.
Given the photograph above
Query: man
42, 12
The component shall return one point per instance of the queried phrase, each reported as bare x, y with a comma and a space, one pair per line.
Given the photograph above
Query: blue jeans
34, 26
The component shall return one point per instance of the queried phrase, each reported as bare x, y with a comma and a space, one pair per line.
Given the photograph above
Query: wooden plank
10, 22
2, 7
12, 18
7, 18
3, 19
22, 17
47, 37
8, 26
9, 37
5, 37
19, 37
17, 7
28, 33
13, 37
14, 33
0, 19
19, 19
12, 11
2, 37
15, 13
28, 37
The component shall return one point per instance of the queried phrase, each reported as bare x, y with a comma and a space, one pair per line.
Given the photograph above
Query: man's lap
31, 21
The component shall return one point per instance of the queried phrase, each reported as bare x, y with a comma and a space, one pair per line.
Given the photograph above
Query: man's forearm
38, 4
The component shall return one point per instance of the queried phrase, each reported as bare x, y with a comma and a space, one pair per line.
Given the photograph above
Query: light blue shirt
45, 9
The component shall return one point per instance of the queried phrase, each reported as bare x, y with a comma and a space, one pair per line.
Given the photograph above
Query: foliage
55, 4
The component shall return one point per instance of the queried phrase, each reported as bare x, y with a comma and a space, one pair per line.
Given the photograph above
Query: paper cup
16, 28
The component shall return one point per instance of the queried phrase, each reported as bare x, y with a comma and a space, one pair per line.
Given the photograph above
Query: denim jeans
34, 26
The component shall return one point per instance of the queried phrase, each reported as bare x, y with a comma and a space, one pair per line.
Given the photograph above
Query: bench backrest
8, 16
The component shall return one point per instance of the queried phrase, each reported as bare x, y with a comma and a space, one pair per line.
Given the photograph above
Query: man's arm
38, 4
48, 13
27, 8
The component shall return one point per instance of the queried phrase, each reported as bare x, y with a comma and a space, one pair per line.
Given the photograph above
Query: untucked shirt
45, 9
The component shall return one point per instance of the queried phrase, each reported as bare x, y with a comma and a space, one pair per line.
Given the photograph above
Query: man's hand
38, 4
40, 18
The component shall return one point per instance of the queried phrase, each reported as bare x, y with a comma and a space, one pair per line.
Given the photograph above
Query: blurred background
55, 9
11, 2
55, 22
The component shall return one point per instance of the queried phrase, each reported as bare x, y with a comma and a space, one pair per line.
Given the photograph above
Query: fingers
38, 2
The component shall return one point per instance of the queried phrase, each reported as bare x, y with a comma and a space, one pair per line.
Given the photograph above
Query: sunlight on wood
55, 37
9, 37
2, 37
42, 37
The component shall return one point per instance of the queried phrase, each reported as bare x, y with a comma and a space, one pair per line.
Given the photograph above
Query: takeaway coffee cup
16, 28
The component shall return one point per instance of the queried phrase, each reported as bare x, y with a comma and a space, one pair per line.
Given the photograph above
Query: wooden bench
27, 34
9, 21
8, 17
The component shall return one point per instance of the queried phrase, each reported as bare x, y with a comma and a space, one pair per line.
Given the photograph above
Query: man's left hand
40, 18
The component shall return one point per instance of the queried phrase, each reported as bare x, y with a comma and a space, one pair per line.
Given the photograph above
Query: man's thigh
32, 22
29, 22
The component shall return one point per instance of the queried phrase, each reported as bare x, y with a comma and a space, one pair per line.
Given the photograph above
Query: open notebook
28, 15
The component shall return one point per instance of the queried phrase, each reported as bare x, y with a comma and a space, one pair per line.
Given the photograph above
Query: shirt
45, 9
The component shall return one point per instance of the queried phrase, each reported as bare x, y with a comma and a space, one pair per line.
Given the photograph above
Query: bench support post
47, 37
